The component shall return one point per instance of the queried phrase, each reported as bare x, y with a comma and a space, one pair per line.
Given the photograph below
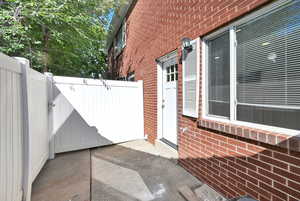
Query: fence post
50, 114
141, 85
27, 177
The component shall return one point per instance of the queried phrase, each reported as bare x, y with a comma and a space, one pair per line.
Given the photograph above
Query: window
191, 81
253, 70
219, 76
121, 38
172, 73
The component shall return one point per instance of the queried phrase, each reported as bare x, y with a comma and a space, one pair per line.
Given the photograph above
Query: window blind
268, 68
219, 76
190, 107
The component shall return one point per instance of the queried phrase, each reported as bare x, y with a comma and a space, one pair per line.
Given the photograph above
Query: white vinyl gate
89, 113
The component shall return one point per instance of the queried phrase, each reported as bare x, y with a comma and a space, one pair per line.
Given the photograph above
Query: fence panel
11, 147
90, 113
37, 92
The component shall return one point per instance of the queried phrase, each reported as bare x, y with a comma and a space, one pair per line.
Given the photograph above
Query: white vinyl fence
24, 127
90, 113
42, 115
11, 108
37, 119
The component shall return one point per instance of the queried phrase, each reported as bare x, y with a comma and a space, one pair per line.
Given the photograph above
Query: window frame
122, 31
233, 66
194, 114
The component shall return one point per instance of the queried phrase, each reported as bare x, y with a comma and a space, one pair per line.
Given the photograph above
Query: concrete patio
132, 171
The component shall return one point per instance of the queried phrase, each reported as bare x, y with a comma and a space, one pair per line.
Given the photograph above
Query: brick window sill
277, 139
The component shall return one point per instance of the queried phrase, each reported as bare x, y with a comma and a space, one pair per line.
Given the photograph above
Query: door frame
160, 90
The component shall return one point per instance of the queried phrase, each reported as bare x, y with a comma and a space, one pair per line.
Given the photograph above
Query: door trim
159, 71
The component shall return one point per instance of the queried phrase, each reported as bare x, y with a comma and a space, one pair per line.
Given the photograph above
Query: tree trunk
46, 32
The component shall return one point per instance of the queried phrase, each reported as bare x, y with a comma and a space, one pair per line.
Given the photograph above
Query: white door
170, 77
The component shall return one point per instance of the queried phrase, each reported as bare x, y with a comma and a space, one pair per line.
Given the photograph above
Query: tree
66, 37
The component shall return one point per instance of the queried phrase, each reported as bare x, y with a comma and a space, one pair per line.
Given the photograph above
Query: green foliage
66, 37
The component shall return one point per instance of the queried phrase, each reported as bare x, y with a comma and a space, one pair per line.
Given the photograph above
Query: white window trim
232, 120
194, 114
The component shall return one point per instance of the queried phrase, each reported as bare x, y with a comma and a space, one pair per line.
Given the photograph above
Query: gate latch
51, 105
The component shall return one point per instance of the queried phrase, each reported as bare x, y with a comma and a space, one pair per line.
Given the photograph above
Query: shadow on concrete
111, 173
129, 174
65, 178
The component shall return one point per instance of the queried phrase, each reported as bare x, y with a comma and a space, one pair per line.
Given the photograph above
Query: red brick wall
233, 163
237, 166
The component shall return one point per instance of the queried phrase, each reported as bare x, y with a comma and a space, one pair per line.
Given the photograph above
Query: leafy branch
65, 37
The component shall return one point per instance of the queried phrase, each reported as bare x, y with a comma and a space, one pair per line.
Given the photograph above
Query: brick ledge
277, 139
